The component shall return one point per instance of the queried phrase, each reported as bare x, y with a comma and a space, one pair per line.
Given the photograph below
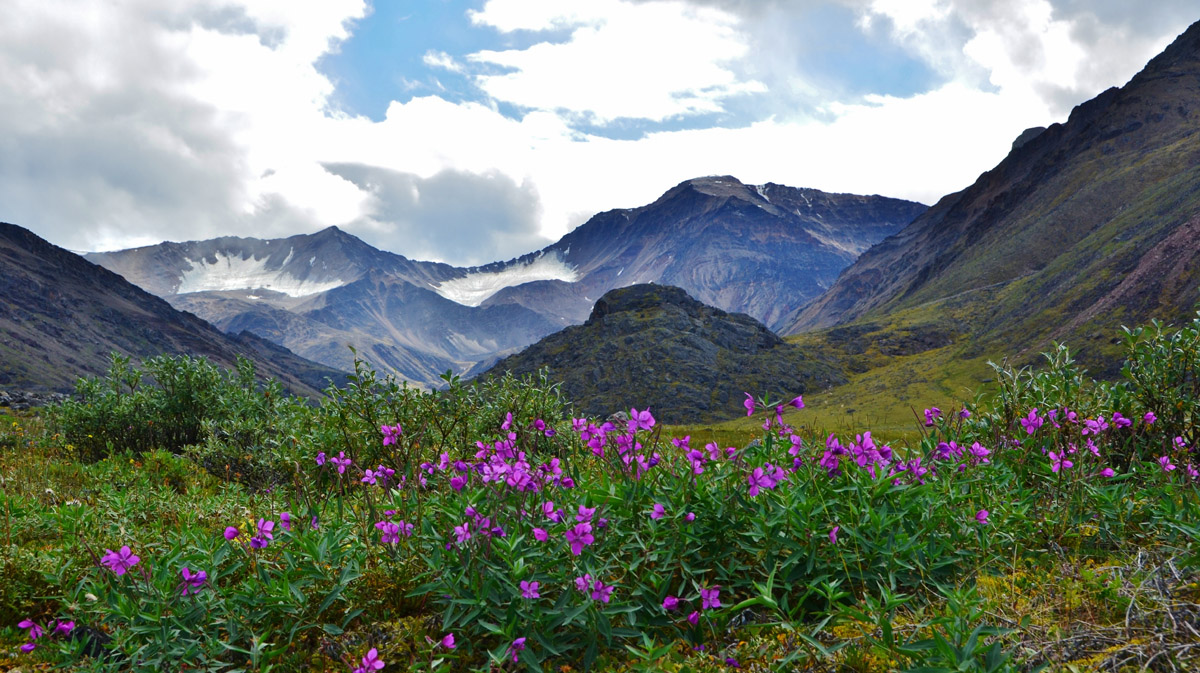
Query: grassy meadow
176, 516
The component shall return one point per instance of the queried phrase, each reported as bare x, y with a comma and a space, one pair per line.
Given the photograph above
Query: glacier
474, 288
238, 273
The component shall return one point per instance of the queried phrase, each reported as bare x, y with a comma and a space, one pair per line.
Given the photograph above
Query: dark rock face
654, 345
20, 400
763, 250
61, 316
1059, 225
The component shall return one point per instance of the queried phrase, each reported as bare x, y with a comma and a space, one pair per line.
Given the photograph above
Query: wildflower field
175, 516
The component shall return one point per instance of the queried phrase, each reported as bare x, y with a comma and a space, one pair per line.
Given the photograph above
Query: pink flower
463, 533
711, 598
372, 662
529, 589
1165, 462
540, 534
1108, 472
693, 618
670, 603
1059, 461
448, 641
516, 648
982, 516
833, 534
601, 592
579, 537
119, 562
691, 516
391, 433
749, 404
1149, 418
658, 511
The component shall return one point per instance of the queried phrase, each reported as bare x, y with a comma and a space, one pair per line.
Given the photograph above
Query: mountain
61, 316
763, 250
1085, 225
654, 345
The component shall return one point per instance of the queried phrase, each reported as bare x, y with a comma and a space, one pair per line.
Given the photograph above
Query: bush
170, 403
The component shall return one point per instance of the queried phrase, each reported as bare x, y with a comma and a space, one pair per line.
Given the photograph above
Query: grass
822, 569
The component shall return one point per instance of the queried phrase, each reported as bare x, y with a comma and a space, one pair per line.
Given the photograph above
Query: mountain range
61, 317
1086, 225
763, 250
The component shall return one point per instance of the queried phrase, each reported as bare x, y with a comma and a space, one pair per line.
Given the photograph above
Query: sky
470, 131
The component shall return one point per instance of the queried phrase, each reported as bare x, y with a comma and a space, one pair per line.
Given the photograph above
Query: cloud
158, 121
1062, 51
129, 123
622, 60
482, 217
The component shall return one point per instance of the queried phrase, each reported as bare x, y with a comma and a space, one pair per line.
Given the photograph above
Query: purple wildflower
35, 631
658, 511
1058, 461
193, 580
640, 420
711, 598
119, 562
540, 534
982, 516
1032, 422
601, 592
286, 519
670, 603
749, 404
389, 532
1149, 418
1108, 472
372, 662
1165, 463
529, 589
690, 517
463, 533
447, 641
321, 458
391, 433
579, 537
694, 618
231, 533
516, 648
833, 534
932, 414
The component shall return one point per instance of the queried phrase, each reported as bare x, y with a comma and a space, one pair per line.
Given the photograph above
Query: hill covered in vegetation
657, 345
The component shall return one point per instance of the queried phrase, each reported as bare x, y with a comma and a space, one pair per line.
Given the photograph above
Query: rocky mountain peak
645, 296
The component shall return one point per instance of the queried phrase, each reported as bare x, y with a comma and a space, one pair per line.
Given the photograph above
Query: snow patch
762, 192
238, 273
474, 288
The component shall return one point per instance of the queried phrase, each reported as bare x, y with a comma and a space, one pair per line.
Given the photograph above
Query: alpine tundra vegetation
209, 522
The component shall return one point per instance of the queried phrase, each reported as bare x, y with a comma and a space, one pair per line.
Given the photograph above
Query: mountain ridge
1059, 223
61, 316
761, 249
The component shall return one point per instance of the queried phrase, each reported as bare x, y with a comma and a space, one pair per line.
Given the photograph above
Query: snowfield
237, 273
474, 288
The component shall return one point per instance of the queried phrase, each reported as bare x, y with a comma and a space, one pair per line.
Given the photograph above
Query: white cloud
1061, 53
622, 60
130, 123
442, 60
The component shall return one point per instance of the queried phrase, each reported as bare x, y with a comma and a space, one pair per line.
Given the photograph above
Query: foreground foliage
483, 526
